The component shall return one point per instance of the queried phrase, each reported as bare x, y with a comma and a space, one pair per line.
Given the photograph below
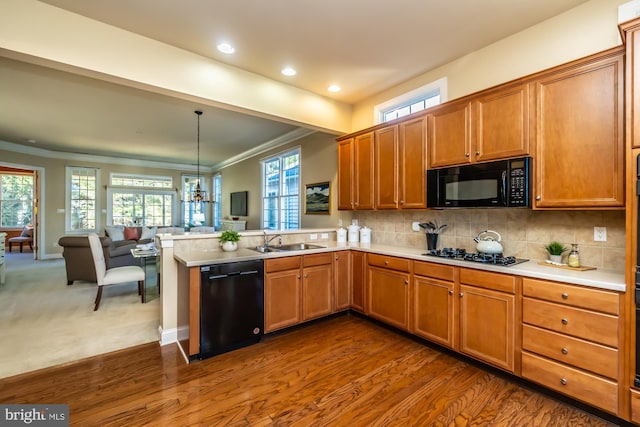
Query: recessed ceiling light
289, 71
226, 48
334, 88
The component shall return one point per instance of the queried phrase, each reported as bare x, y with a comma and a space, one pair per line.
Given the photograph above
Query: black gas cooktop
481, 257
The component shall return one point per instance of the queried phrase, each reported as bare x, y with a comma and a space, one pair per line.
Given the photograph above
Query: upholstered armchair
77, 257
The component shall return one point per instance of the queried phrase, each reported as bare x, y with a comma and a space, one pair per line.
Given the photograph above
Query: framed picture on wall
317, 199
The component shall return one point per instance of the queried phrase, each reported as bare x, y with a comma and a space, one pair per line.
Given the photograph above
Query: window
16, 200
82, 204
195, 213
140, 200
281, 191
416, 100
217, 200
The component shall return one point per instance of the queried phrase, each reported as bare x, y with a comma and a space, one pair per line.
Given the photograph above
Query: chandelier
198, 195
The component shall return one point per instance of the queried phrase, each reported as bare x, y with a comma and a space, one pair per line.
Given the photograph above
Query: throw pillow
148, 233
130, 233
116, 232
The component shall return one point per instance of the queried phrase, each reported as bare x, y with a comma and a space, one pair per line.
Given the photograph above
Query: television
239, 203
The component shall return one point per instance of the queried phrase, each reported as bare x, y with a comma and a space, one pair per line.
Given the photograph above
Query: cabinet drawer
430, 269
589, 388
573, 351
635, 406
394, 263
592, 299
280, 264
317, 259
589, 325
488, 280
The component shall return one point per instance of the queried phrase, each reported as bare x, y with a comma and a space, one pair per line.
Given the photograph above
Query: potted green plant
229, 240
555, 250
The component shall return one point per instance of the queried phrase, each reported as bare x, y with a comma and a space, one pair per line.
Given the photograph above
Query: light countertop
603, 279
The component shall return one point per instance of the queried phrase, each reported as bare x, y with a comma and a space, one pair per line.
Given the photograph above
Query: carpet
44, 322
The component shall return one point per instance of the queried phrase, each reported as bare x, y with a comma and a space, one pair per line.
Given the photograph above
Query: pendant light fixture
198, 195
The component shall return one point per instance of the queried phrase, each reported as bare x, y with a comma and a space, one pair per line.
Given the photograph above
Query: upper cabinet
488, 126
579, 134
355, 172
401, 165
449, 135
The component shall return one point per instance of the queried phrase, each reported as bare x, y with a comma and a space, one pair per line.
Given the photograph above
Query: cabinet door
579, 136
342, 280
487, 326
359, 278
317, 291
433, 313
282, 295
449, 138
501, 124
386, 170
345, 174
363, 171
632, 104
413, 164
388, 296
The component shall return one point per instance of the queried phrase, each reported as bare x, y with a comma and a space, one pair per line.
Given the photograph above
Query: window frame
166, 190
282, 182
30, 201
69, 172
409, 98
216, 194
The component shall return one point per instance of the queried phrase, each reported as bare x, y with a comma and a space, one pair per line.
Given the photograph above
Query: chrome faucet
268, 239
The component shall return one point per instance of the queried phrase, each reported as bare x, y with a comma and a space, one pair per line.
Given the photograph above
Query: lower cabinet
342, 280
433, 302
358, 280
570, 340
297, 289
487, 317
388, 290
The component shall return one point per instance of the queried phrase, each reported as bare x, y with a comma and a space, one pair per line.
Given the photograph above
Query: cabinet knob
337, 257
565, 295
467, 154
306, 275
477, 153
460, 294
538, 198
563, 381
406, 282
402, 202
450, 292
565, 321
298, 276
386, 263
565, 350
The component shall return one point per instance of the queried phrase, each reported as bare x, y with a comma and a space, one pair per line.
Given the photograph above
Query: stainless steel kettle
488, 241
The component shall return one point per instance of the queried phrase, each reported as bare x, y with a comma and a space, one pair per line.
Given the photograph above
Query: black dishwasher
231, 306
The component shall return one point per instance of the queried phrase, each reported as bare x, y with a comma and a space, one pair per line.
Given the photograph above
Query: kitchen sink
288, 248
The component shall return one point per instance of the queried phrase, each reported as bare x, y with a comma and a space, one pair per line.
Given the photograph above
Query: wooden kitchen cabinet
317, 285
487, 317
282, 293
570, 340
631, 35
434, 302
449, 134
388, 290
579, 134
500, 124
356, 172
342, 280
297, 289
401, 165
359, 280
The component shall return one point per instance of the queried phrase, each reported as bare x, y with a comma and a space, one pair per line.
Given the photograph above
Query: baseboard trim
172, 335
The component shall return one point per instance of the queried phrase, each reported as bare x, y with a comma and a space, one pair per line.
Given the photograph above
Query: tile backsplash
524, 232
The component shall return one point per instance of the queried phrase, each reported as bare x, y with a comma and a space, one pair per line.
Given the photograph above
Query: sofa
116, 244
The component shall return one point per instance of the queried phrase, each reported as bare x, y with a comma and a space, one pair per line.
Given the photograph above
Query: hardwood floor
344, 371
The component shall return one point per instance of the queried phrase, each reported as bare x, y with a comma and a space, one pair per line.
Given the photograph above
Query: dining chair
112, 276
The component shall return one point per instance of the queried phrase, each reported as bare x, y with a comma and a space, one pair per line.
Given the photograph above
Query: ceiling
364, 46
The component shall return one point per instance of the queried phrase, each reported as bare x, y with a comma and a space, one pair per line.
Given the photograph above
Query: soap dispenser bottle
574, 256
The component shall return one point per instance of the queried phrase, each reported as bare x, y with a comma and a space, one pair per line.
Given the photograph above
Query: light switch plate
599, 234
313, 237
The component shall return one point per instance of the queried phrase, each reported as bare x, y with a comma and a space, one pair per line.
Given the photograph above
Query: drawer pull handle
565, 321
386, 263
563, 381
406, 282
450, 292
565, 295
565, 350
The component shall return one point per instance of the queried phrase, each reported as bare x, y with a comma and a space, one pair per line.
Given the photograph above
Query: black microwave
502, 183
